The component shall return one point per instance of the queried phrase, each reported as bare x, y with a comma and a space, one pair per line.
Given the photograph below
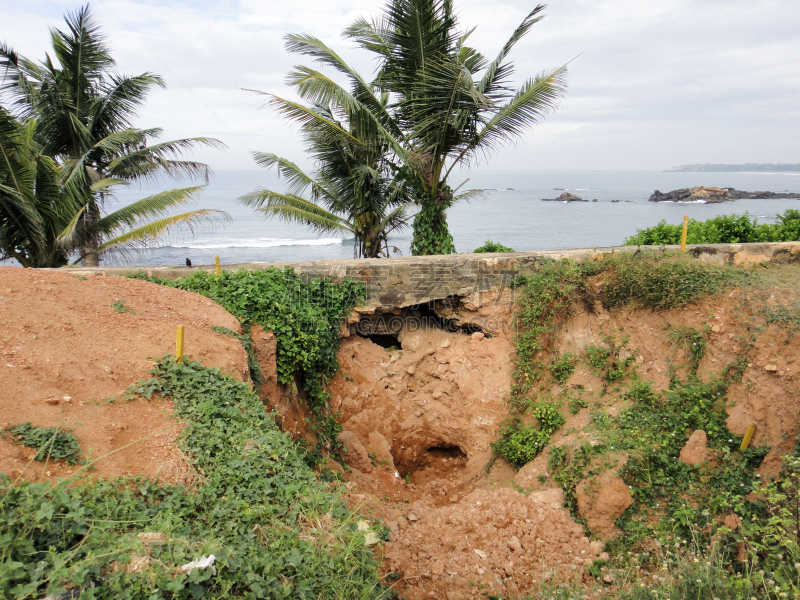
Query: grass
672, 501
275, 530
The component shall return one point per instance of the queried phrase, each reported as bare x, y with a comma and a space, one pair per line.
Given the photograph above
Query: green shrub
52, 443
276, 532
305, 318
491, 246
521, 445
563, 367
548, 417
724, 229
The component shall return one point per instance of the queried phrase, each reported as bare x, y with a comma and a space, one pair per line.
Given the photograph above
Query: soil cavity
383, 327
436, 462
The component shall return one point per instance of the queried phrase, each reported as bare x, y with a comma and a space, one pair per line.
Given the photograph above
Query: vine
305, 318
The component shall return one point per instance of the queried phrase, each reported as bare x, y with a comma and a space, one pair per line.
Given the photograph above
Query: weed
120, 307
692, 341
612, 362
734, 371
51, 442
666, 281
546, 300
563, 367
256, 374
491, 246
519, 444
304, 317
575, 400
275, 530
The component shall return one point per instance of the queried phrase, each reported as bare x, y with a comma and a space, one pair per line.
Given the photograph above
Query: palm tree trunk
431, 234
91, 256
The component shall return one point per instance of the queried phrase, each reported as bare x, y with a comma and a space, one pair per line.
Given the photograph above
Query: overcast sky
651, 84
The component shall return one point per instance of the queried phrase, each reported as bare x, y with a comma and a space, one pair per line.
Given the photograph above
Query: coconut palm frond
293, 209
498, 73
370, 36
470, 195
156, 231
308, 119
528, 107
73, 235
151, 207
297, 180
367, 120
153, 161
121, 98
104, 185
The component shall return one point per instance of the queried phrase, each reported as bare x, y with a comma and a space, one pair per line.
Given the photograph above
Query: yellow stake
179, 344
684, 232
216, 262
747, 437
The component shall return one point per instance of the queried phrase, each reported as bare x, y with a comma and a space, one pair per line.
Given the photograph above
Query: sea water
509, 211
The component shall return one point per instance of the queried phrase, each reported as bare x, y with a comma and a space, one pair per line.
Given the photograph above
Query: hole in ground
429, 315
434, 463
383, 340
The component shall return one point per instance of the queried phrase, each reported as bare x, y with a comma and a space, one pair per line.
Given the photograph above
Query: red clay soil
67, 354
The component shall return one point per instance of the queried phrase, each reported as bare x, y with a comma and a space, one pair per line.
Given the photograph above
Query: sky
651, 84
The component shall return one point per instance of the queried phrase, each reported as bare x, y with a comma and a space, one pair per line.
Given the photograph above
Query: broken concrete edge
412, 281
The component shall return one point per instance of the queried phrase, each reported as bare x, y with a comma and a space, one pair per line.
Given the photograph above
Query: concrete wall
401, 282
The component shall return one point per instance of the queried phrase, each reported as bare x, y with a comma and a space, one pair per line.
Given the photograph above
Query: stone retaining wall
402, 282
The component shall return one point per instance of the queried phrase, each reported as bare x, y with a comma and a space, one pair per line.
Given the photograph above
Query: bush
519, 444
724, 229
491, 246
51, 442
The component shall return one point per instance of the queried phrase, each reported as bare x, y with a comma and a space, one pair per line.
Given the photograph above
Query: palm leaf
308, 119
528, 107
293, 209
147, 208
497, 73
154, 232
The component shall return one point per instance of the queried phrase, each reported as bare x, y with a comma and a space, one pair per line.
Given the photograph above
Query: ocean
510, 211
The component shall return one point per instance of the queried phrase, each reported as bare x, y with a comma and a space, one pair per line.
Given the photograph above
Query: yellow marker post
179, 344
747, 437
216, 263
684, 232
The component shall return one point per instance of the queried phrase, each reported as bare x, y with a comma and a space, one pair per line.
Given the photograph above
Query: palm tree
30, 198
84, 121
355, 189
451, 104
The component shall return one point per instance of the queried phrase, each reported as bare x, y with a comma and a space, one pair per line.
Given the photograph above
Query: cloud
650, 84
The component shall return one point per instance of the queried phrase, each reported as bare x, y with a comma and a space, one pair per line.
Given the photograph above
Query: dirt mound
67, 351
491, 542
433, 405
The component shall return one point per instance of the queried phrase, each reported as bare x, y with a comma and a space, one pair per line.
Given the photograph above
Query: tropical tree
80, 114
355, 188
451, 104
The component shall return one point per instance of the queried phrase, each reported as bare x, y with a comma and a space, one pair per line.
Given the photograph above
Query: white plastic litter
396, 474
203, 563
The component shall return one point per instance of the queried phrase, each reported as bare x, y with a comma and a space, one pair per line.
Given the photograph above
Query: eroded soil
418, 416
68, 354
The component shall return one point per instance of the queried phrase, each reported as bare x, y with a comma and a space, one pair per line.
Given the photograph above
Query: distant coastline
745, 168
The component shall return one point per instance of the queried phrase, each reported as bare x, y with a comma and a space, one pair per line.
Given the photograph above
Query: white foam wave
258, 243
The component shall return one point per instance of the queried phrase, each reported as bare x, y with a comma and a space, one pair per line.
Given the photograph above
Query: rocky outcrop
714, 195
565, 197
